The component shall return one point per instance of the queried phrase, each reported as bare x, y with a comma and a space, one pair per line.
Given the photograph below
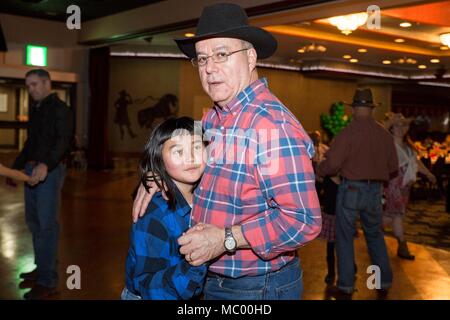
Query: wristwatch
230, 242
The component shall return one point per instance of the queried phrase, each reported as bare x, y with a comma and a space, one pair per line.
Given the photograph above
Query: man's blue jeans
364, 198
284, 284
42, 203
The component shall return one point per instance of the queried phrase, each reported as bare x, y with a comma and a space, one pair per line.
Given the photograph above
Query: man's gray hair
246, 44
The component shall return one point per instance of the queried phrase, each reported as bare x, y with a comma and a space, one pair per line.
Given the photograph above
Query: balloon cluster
337, 120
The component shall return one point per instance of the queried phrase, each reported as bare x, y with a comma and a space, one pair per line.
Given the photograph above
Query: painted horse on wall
165, 108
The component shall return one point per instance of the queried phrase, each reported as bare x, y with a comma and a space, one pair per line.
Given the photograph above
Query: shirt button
221, 128
211, 159
201, 188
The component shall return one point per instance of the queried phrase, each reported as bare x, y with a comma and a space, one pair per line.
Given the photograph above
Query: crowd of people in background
417, 161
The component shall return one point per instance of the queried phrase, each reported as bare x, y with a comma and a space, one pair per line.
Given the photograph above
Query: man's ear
48, 84
252, 57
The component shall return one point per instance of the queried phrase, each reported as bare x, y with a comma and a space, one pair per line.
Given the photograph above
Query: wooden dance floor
95, 222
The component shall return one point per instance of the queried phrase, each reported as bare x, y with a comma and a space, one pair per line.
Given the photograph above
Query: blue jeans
284, 284
128, 295
42, 203
364, 198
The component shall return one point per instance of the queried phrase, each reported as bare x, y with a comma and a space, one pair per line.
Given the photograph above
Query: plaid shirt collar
182, 208
243, 98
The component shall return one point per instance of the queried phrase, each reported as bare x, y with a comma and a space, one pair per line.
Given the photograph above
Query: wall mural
165, 107
121, 118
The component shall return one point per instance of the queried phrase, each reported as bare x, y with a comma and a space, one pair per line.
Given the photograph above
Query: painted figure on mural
166, 107
121, 118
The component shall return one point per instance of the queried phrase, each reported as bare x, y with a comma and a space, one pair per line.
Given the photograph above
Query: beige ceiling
421, 39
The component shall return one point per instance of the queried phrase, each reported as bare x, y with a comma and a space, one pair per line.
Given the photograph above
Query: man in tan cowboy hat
364, 155
251, 215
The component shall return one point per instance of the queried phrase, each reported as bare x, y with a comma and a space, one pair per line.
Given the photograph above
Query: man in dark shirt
50, 129
364, 155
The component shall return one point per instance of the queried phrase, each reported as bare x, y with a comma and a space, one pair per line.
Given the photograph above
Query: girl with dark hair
174, 159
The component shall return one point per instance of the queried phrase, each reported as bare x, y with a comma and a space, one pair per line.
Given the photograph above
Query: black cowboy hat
227, 20
363, 98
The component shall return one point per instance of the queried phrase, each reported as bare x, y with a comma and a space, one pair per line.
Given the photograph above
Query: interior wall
141, 78
307, 97
7, 136
63, 55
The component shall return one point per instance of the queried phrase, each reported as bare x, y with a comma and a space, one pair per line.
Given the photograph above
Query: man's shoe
32, 275
27, 284
338, 294
403, 251
330, 278
39, 292
382, 294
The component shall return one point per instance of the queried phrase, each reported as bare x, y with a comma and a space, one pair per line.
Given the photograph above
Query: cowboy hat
227, 20
363, 98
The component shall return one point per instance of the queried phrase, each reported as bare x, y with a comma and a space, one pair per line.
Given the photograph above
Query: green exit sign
36, 55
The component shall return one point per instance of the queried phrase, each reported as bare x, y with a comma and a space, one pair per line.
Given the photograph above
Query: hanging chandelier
349, 23
445, 39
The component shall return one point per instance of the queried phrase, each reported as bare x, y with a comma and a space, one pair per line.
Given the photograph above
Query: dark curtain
99, 155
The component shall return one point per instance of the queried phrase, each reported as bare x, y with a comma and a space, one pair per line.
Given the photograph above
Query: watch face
230, 244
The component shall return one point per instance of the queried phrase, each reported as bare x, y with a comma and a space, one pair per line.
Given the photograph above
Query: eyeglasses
217, 57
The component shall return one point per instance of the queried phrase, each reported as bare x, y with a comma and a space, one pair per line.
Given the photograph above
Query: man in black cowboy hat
364, 155
251, 215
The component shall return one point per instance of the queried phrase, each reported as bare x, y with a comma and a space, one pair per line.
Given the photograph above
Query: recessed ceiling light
444, 48
353, 60
347, 56
399, 40
435, 60
405, 24
422, 66
189, 35
386, 61
301, 50
362, 50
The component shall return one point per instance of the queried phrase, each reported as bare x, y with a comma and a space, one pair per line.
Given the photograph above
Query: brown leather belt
367, 181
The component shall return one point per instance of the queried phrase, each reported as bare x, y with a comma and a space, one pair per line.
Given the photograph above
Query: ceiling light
435, 60
189, 35
386, 61
362, 50
422, 66
399, 40
405, 60
312, 48
349, 23
353, 60
444, 48
405, 24
347, 56
445, 39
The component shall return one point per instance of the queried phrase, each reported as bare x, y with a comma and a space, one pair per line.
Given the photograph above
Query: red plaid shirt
260, 176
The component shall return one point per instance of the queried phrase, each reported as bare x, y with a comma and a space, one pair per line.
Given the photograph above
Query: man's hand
143, 198
39, 174
202, 243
